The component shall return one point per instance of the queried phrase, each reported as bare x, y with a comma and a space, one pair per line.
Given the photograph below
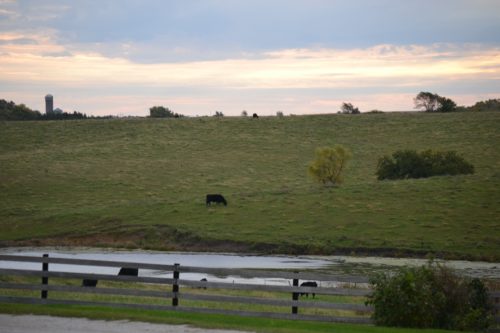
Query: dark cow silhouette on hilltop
255, 115
308, 284
216, 198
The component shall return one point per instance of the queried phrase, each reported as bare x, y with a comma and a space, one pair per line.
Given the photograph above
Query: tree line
429, 102
13, 111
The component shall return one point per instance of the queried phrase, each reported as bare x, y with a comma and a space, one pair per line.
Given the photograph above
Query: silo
49, 104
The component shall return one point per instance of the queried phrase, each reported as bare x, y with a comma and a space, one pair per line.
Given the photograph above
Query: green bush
411, 164
329, 164
430, 296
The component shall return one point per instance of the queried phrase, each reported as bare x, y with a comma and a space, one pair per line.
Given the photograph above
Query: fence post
295, 296
496, 301
45, 279
175, 286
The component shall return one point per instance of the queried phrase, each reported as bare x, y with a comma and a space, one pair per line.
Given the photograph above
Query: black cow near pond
129, 271
89, 283
309, 284
216, 198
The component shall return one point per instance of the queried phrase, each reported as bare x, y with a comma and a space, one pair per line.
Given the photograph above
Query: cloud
20, 41
298, 80
386, 65
205, 30
27, 14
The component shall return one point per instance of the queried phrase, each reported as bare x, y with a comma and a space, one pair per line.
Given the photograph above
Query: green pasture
142, 183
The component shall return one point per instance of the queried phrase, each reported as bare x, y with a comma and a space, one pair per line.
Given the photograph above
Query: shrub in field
430, 296
329, 164
411, 164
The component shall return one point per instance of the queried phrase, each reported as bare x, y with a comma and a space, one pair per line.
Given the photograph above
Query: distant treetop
488, 105
348, 108
162, 112
434, 103
13, 111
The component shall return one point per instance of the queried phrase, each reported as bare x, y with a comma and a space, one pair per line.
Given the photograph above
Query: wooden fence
178, 294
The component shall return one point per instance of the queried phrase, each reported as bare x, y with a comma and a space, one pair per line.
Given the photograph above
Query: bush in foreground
411, 164
430, 296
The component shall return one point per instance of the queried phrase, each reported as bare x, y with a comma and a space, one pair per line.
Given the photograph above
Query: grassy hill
142, 183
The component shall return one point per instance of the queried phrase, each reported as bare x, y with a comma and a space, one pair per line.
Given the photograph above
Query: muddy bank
166, 238
226, 246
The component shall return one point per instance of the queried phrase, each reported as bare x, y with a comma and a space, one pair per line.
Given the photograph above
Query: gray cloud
19, 41
225, 28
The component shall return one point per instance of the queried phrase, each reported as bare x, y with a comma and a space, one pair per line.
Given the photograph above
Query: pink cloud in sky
308, 80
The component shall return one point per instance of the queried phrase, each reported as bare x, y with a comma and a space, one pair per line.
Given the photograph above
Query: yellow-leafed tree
329, 164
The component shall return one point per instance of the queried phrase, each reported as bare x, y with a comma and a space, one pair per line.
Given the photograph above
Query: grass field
142, 183
184, 301
204, 320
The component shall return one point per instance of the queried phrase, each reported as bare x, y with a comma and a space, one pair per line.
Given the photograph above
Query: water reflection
339, 265
168, 258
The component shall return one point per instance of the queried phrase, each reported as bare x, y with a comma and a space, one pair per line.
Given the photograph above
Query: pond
339, 265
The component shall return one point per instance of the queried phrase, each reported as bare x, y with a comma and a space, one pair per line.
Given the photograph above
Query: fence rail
189, 269
173, 293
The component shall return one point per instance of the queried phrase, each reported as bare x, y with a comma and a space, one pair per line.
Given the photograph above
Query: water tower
49, 104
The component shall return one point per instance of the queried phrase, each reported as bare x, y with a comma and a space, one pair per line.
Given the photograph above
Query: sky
121, 57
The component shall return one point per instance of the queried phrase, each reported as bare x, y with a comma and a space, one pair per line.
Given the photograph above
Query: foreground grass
253, 324
142, 183
200, 320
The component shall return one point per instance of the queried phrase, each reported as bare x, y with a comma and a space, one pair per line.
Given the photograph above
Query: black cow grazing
255, 115
217, 198
89, 283
129, 271
308, 284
